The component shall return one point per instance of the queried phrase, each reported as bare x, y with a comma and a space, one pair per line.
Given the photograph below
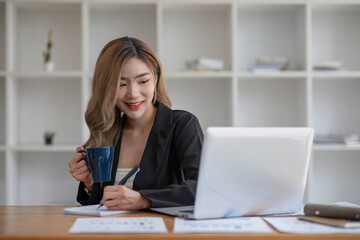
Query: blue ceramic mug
100, 160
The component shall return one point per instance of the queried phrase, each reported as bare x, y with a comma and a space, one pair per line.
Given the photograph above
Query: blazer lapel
116, 154
155, 148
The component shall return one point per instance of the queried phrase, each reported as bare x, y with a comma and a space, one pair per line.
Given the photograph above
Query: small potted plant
48, 63
48, 137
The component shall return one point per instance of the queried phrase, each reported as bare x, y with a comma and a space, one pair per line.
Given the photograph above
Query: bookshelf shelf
102, 29
234, 31
264, 26
285, 74
31, 22
271, 102
2, 174
43, 148
46, 75
2, 112
194, 75
336, 99
194, 102
2, 38
336, 74
55, 106
335, 147
328, 20
181, 21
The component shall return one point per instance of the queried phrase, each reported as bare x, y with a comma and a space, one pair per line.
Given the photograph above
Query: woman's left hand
122, 198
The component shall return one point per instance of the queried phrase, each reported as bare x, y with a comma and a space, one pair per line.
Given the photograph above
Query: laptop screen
252, 171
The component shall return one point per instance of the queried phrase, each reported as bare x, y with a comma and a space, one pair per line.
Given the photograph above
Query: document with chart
119, 225
225, 225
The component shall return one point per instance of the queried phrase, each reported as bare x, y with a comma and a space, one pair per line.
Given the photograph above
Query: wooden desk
45, 222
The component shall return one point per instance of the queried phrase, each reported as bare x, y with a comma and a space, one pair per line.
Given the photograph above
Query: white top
121, 173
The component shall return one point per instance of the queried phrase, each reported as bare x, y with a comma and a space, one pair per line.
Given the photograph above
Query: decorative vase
48, 140
49, 66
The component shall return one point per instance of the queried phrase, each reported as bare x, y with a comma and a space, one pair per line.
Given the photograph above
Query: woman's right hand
79, 169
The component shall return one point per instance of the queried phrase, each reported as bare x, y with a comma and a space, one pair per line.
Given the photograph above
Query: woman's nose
133, 91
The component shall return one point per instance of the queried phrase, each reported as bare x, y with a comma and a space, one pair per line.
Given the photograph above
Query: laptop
249, 172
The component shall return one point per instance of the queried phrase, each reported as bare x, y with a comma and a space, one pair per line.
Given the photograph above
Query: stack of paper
294, 225
205, 64
353, 140
269, 64
327, 65
321, 218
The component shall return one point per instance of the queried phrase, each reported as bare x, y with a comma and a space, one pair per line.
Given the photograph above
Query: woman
130, 110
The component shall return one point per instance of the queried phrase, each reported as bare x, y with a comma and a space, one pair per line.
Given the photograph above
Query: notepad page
294, 225
91, 210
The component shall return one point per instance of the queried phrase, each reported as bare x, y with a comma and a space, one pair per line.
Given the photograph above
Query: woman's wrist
145, 203
89, 186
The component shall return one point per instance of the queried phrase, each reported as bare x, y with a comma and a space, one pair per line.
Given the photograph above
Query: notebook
248, 172
91, 210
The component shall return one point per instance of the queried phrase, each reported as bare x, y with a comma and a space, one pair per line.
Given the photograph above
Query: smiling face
136, 90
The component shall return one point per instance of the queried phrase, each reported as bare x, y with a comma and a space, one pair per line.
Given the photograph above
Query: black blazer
169, 165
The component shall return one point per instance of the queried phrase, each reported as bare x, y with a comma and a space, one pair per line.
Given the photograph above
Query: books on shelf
205, 64
327, 65
352, 140
264, 68
329, 139
346, 215
269, 64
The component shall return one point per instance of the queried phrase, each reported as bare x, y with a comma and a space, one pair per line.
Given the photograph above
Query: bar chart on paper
227, 225
119, 225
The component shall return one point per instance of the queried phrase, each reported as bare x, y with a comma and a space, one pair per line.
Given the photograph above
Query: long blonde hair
102, 115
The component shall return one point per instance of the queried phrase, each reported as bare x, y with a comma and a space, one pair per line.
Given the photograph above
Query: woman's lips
134, 105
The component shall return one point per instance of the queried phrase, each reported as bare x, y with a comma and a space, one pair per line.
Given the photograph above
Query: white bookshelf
236, 31
334, 147
187, 27
271, 102
2, 175
271, 30
2, 38
45, 148
185, 94
2, 111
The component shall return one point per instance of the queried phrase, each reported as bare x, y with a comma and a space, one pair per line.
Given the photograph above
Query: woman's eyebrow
138, 76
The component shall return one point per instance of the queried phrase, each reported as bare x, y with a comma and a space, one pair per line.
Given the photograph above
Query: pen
132, 172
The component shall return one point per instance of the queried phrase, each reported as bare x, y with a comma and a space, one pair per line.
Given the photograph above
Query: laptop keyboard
187, 211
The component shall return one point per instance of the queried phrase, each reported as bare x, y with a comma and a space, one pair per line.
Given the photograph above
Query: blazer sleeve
187, 144
94, 198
